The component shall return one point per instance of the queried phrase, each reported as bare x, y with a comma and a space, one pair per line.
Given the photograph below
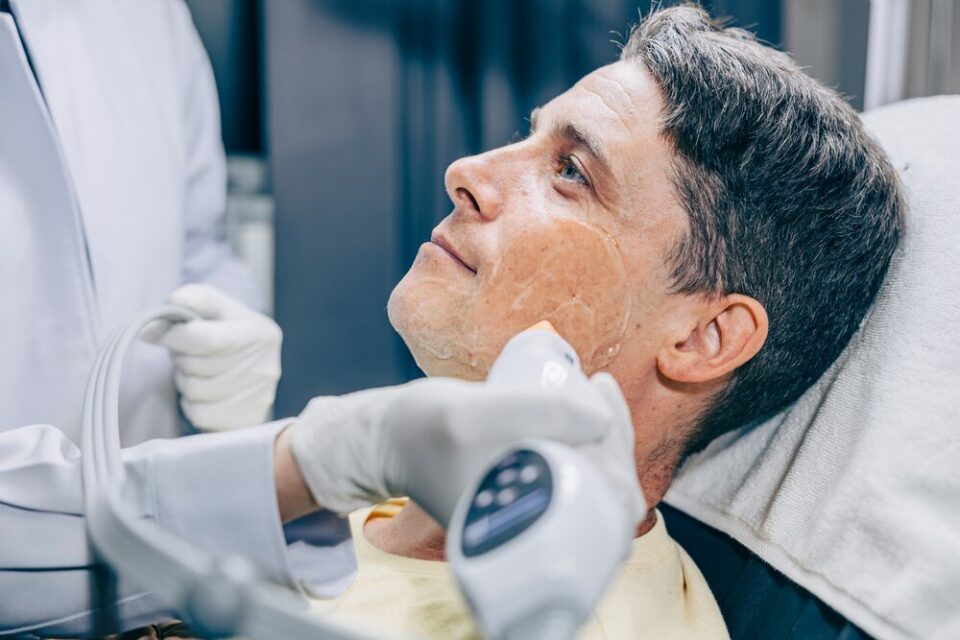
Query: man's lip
439, 240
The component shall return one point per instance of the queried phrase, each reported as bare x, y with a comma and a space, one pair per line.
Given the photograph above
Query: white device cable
221, 596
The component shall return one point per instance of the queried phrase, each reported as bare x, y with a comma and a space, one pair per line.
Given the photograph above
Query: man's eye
569, 171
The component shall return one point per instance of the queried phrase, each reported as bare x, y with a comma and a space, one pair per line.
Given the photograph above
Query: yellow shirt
659, 593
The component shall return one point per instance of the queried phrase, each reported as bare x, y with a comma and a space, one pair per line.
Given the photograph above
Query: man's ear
728, 331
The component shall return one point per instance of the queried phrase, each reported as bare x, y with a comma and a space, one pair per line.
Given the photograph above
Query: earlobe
730, 330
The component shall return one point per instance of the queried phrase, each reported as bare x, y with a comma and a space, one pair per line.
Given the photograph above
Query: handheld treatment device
538, 537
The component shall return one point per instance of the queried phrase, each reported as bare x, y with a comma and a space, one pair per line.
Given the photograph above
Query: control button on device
507, 476
506, 496
497, 512
484, 498
529, 474
476, 531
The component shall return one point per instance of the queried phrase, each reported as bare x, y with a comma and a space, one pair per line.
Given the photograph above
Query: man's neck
411, 533
414, 534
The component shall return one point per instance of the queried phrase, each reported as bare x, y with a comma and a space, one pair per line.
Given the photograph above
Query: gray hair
789, 201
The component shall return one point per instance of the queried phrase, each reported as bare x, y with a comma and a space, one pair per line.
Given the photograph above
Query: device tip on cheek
543, 325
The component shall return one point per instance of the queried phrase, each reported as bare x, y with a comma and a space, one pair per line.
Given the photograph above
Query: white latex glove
227, 363
430, 438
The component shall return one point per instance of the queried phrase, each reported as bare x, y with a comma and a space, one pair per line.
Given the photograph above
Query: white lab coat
112, 188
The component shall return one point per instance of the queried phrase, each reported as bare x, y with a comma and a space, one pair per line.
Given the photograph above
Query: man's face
570, 225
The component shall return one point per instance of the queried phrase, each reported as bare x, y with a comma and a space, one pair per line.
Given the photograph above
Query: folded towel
853, 492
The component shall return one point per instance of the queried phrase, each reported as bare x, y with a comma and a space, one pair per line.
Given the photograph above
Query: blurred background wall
340, 117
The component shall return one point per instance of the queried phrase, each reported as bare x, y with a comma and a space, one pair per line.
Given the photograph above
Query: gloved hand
430, 438
227, 363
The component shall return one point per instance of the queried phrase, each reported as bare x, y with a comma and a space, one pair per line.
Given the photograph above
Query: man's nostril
466, 197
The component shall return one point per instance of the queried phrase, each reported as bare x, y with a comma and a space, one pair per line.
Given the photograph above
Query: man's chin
435, 355
434, 367
394, 302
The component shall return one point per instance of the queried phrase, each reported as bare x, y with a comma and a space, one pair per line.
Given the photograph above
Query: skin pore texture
574, 225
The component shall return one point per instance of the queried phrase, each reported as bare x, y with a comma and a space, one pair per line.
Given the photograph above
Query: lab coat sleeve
207, 253
213, 490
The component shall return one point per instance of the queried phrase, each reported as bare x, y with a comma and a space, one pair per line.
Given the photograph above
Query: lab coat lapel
48, 327
119, 129
102, 159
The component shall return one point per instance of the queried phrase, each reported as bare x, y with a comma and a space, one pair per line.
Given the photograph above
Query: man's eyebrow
577, 137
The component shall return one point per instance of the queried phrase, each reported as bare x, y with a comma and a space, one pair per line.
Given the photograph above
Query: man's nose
472, 186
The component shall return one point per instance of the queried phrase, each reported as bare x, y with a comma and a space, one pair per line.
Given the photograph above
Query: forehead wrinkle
618, 86
616, 114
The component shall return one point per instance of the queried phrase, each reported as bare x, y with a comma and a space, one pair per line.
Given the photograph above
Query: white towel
854, 491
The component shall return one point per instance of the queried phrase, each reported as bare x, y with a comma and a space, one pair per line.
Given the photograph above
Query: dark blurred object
171, 630
755, 599
230, 30
829, 39
762, 18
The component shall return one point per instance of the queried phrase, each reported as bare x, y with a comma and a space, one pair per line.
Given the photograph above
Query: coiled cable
220, 595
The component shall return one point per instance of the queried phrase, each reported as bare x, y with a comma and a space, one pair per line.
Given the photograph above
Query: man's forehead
620, 96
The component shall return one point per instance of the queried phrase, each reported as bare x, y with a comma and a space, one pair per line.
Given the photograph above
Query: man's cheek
567, 271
